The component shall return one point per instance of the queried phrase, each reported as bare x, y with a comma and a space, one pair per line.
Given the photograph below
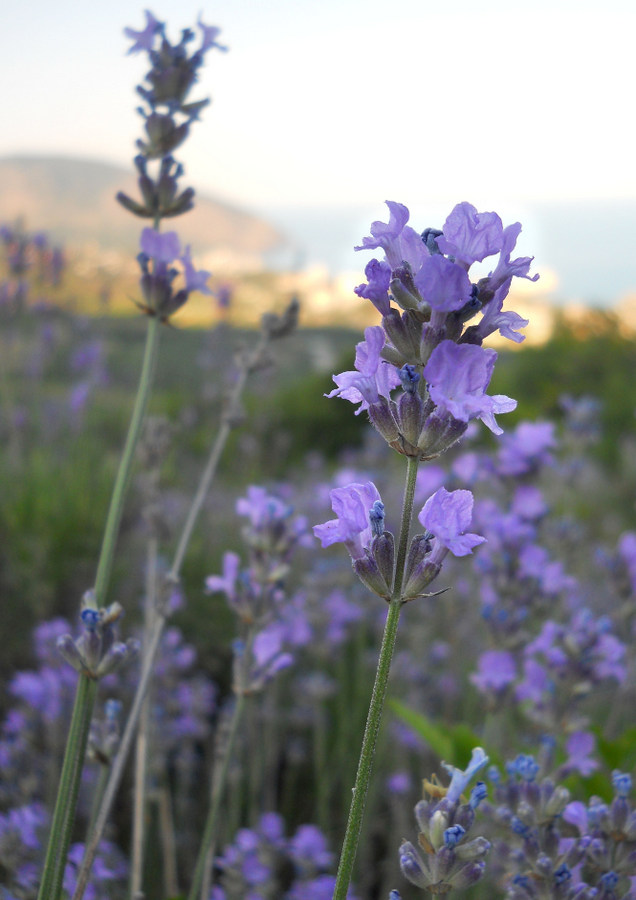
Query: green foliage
596, 360
452, 743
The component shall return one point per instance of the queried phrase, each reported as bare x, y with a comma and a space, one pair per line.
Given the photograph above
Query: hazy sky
343, 102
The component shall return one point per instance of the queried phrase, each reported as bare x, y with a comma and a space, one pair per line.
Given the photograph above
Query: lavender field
276, 633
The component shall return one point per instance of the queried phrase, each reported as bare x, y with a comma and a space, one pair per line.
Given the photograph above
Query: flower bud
410, 414
413, 866
474, 849
468, 875
368, 571
437, 827
382, 419
404, 332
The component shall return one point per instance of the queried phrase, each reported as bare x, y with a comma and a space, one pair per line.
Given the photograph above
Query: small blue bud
395, 895
409, 377
493, 774
90, 618
478, 793
453, 835
112, 709
238, 647
595, 812
562, 874
376, 517
622, 783
429, 236
525, 767
518, 826
609, 880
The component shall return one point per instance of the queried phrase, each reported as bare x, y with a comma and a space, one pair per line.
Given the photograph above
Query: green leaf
452, 743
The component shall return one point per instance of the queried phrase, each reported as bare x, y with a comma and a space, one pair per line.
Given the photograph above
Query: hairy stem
374, 717
66, 803
200, 879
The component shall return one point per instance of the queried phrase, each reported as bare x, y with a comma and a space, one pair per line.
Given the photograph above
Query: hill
74, 199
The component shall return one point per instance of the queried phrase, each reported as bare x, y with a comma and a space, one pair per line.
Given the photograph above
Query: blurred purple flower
144, 40
308, 848
496, 669
163, 246
195, 280
579, 746
209, 37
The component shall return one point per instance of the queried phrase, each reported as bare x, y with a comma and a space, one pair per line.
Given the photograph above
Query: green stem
213, 460
159, 622
374, 717
64, 814
206, 849
111, 530
141, 749
119, 762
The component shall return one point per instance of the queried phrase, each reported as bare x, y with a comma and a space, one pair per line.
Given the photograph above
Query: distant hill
74, 199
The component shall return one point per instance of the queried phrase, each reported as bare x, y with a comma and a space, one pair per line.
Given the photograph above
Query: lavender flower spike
352, 505
447, 515
459, 779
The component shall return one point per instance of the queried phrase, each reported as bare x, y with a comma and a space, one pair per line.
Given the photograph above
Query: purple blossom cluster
446, 517
449, 860
546, 846
441, 366
23, 832
267, 623
31, 262
168, 115
262, 863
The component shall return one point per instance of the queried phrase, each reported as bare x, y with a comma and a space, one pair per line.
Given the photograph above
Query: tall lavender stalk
167, 121
443, 372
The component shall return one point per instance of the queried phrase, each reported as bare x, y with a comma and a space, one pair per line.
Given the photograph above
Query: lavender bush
211, 750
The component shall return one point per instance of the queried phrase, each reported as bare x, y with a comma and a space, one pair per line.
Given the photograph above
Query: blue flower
459, 779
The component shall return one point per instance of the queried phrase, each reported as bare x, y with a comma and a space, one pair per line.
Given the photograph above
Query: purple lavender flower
227, 581
195, 280
461, 778
209, 37
447, 515
351, 505
458, 375
400, 242
496, 669
469, 236
579, 746
526, 448
506, 268
494, 319
373, 378
145, 39
443, 284
378, 276
163, 247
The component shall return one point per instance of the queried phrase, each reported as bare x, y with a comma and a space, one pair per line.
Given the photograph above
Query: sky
342, 104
